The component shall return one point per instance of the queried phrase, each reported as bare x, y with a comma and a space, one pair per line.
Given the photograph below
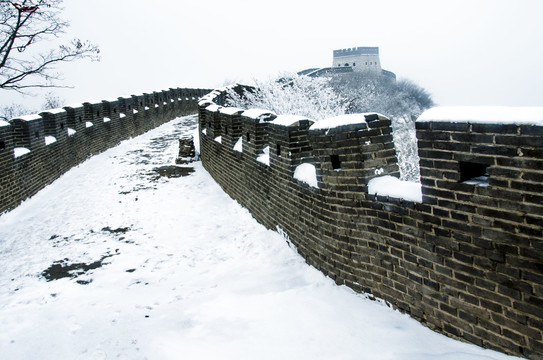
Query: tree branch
25, 23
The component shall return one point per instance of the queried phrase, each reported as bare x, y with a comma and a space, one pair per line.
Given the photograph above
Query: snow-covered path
172, 268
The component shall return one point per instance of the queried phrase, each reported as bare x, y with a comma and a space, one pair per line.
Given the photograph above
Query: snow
88, 124
341, 120
264, 158
204, 131
208, 98
390, 186
485, 114
239, 145
71, 132
289, 120
106, 119
306, 173
218, 139
479, 181
4, 123
122, 115
20, 151
135, 111
50, 140
213, 108
186, 273
30, 117
231, 110
204, 102
258, 114
55, 111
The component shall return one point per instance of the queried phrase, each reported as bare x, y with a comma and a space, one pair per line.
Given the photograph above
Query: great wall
467, 261
36, 149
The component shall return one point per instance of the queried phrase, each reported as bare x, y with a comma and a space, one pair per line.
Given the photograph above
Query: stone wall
467, 261
35, 150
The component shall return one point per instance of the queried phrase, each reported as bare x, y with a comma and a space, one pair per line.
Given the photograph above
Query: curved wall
35, 150
467, 261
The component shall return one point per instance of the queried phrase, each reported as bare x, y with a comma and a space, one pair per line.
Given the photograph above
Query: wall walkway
35, 150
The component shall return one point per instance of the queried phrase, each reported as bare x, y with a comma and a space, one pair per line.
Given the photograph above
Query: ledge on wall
485, 114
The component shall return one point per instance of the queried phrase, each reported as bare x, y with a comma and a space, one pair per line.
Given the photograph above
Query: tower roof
362, 50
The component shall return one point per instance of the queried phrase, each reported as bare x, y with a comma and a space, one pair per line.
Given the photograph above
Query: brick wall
59, 139
466, 262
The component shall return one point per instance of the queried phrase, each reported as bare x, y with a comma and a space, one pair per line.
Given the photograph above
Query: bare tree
24, 24
52, 101
8, 112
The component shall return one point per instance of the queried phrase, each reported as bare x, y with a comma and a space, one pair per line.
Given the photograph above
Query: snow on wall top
55, 111
289, 120
231, 110
213, 108
390, 186
4, 123
485, 114
30, 117
208, 99
74, 105
341, 120
258, 114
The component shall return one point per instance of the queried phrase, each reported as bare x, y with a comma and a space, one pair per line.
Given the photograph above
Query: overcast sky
464, 52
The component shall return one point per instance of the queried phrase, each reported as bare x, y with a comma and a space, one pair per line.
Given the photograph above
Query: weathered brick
467, 254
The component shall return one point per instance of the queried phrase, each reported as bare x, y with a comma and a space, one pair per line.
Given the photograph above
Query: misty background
466, 52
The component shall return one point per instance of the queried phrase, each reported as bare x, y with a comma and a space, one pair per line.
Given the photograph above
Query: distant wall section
35, 150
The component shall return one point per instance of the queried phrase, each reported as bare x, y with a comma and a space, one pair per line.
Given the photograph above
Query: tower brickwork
359, 59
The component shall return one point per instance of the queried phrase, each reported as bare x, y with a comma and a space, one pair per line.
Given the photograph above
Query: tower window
354, 64
336, 164
473, 173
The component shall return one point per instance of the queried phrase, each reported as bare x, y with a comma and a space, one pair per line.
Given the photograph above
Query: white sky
464, 52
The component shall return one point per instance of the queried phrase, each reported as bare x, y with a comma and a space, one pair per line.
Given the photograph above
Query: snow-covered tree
9, 112
52, 101
291, 94
369, 91
323, 97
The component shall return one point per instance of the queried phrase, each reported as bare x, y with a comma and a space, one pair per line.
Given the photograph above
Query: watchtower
359, 59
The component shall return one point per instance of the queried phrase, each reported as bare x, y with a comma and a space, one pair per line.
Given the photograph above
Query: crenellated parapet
36, 149
465, 259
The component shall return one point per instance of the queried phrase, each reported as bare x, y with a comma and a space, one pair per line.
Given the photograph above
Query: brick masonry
59, 139
466, 262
